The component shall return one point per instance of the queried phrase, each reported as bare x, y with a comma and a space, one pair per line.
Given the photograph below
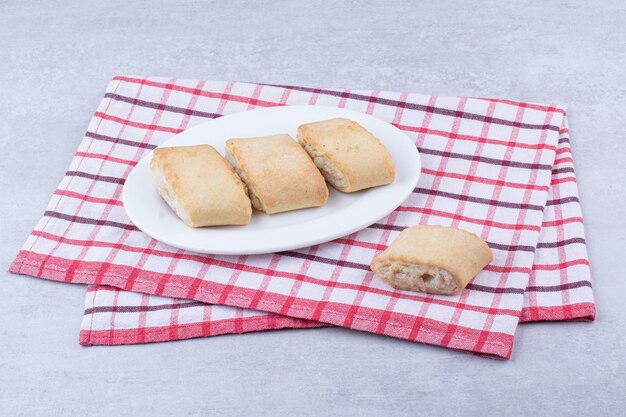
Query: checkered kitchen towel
118, 317
559, 286
486, 168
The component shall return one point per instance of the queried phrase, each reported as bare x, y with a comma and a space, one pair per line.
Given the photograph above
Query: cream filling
417, 277
254, 198
332, 174
167, 193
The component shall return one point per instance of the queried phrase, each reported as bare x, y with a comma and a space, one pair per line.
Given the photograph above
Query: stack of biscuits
271, 174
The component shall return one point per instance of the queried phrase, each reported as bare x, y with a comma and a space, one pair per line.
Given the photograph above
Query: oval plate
341, 215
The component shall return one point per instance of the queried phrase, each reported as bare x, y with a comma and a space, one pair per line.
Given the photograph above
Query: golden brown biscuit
349, 156
279, 174
432, 259
200, 186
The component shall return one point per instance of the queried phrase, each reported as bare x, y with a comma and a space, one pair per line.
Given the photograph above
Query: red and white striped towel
487, 168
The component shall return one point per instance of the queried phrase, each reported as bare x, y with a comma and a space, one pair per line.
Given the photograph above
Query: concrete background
55, 60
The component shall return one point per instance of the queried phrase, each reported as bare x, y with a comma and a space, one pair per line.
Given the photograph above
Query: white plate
341, 215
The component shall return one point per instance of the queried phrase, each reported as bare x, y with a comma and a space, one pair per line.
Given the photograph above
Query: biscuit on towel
432, 259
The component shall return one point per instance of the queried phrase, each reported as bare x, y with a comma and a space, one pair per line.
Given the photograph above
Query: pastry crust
200, 186
279, 174
432, 259
349, 156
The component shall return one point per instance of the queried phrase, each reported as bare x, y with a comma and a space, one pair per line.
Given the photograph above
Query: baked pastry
278, 173
200, 186
432, 259
349, 156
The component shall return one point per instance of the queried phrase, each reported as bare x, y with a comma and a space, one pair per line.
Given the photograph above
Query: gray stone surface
55, 60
